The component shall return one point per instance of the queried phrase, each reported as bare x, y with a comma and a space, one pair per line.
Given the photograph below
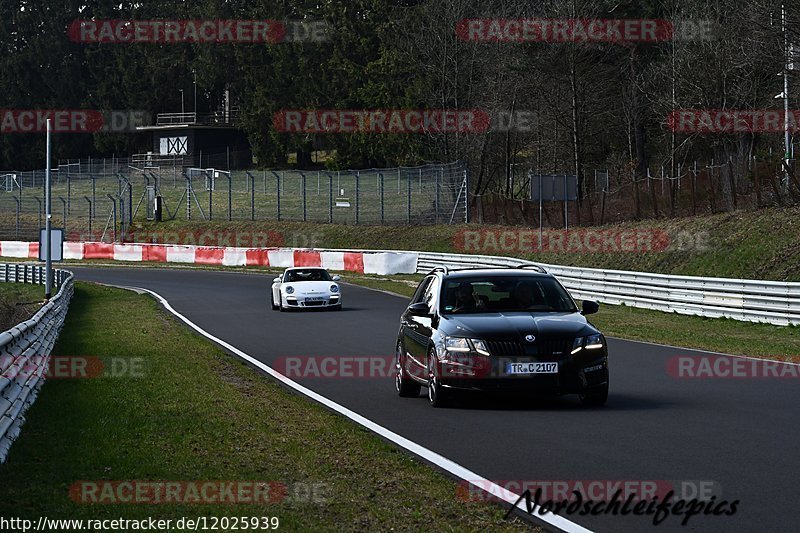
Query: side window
421, 289
430, 295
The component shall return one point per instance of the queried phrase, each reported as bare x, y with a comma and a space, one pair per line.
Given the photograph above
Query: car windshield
311, 274
505, 294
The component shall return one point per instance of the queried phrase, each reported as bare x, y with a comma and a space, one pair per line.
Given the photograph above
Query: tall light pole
194, 75
787, 140
183, 111
48, 255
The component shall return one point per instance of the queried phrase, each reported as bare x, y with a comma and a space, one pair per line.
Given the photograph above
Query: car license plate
532, 368
313, 299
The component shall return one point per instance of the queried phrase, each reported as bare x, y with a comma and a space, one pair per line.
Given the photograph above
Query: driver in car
525, 296
466, 299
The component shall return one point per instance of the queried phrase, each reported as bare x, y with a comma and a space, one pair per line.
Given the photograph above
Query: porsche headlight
334, 289
290, 290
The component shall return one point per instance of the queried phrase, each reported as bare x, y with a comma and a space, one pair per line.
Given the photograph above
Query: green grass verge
199, 414
22, 292
18, 302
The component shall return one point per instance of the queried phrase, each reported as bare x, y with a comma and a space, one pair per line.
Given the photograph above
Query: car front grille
545, 349
314, 304
506, 348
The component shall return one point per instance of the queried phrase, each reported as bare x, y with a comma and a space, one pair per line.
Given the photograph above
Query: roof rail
531, 265
440, 268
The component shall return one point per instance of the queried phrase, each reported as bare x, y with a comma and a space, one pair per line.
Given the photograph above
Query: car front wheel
272, 301
405, 386
438, 396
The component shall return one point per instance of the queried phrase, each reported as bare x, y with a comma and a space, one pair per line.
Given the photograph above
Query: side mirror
276, 280
419, 309
590, 307
336, 278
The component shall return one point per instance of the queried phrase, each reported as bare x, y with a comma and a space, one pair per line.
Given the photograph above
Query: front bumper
573, 376
300, 302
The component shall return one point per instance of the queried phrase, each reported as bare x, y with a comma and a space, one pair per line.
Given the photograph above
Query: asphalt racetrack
738, 435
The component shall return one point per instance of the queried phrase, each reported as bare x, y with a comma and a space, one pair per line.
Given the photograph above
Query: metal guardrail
770, 302
25, 349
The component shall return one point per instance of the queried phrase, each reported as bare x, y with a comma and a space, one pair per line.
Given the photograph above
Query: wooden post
653, 194
694, 187
603, 207
733, 183
757, 181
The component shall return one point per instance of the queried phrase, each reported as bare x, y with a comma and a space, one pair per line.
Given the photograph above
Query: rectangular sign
554, 187
173, 145
56, 244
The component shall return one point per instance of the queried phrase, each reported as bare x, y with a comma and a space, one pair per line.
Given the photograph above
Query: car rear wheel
405, 386
438, 396
595, 397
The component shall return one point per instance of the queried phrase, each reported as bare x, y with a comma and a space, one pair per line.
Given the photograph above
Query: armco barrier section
364, 261
771, 302
25, 349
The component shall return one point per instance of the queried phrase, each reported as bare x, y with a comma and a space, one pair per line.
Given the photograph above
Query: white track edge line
417, 449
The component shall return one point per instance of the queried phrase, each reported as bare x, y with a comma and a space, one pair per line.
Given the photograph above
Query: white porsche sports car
303, 287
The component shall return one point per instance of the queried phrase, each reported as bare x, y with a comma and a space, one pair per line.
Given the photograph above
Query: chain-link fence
102, 198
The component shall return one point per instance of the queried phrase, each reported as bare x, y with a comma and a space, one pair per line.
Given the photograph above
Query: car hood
310, 287
517, 324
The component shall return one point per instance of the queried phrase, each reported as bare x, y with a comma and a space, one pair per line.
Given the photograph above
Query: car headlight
480, 347
334, 289
590, 342
461, 344
593, 342
457, 344
290, 290
577, 345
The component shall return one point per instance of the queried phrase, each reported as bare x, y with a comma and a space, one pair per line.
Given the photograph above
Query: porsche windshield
312, 274
505, 294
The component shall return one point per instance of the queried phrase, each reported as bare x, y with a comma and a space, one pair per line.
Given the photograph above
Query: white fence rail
25, 348
771, 302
